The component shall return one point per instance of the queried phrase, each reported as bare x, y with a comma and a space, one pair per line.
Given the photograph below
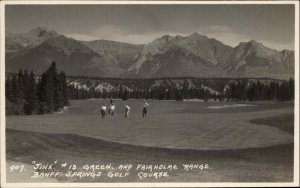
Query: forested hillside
29, 94
233, 89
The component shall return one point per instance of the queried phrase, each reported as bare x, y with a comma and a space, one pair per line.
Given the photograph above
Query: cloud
81, 37
141, 38
214, 29
223, 33
278, 46
109, 31
117, 33
230, 37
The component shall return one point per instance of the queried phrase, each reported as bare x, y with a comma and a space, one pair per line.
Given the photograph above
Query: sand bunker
229, 106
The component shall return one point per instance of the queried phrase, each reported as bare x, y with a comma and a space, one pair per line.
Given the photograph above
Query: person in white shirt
112, 108
127, 110
103, 110
145, 109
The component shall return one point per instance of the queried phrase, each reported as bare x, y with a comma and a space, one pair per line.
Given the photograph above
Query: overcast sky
272, 25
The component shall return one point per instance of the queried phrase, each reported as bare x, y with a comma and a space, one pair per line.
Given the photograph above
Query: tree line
257, 91
28, 94
159, 93
234, 90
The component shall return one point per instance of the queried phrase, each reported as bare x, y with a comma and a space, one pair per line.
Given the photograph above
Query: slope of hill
32, 38
70, 55
178, 62
117, 52
206, 49
254, 59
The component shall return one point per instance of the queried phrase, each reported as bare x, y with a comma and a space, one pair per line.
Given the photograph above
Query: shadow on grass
242, 165
284, 122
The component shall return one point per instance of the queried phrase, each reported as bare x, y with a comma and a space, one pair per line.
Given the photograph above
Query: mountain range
168, 56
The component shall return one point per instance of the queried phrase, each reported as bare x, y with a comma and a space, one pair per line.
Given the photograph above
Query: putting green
183, 125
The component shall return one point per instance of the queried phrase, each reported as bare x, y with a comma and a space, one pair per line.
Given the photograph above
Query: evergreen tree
125, 95
9, 92
206, 95
21, 87
15, 88
24, 95
291, 89
178, 94
104, 94
185, 90
31, 104
42, 94
64, 88
251, 91
58, 99
120, 92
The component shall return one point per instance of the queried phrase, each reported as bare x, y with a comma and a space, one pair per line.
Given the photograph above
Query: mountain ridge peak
193, 55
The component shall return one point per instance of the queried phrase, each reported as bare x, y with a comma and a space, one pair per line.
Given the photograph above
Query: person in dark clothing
145, 109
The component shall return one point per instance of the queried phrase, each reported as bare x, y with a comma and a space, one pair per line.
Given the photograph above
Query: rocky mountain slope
14, 43
116, 52
168, 56
70, 55
254, 59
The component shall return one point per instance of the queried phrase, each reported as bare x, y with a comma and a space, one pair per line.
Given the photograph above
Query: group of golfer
112, 109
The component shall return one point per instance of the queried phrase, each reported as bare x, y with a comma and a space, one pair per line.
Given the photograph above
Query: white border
219, 184
296, 103
2, 94
76, 2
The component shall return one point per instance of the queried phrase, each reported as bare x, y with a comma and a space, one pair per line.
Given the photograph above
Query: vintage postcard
149, 93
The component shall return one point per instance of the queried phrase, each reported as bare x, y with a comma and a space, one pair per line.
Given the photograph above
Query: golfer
103, 110
112, 108
127, 110
145, 109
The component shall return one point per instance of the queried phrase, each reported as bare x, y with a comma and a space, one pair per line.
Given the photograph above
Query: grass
232, 141
245, 165
282, 122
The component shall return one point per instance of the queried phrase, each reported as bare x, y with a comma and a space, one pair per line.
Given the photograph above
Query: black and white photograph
168, 94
